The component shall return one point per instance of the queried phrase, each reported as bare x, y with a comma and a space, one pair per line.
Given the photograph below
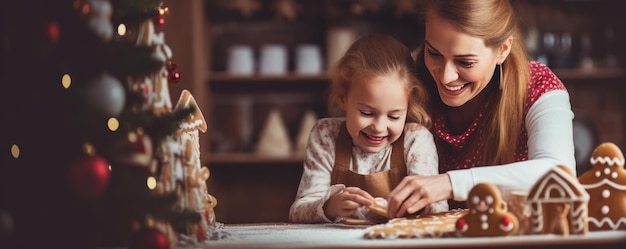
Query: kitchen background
258, 71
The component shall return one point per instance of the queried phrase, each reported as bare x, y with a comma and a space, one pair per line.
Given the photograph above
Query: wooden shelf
217, 77
249, 158
590, 74
221, 77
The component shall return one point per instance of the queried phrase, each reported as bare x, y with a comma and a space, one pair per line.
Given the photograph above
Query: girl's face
376, 110
460, 64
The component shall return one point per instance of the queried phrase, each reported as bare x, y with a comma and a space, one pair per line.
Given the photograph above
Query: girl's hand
415, 192
347, 202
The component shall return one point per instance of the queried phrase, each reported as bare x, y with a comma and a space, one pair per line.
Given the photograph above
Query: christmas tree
94, 153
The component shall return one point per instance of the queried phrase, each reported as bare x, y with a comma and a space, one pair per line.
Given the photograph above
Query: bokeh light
89, 149
152, 182
132, 137
121, 29
163, 11
15, 151
66, 81
85, 9
113, 124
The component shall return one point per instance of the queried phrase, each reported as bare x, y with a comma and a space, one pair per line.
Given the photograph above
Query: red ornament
133, 152
150, 238
461, 224
89, 176
173, 75
52, 32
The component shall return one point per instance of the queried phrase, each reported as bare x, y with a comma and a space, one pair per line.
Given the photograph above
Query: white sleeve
550, 142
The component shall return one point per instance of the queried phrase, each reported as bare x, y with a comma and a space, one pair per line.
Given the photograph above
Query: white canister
308, 59
338, 40
273, 59
240, 60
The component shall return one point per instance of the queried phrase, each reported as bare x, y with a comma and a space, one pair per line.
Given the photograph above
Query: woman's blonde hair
379, 55
494, 21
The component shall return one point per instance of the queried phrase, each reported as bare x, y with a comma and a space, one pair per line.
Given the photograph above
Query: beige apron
377, 184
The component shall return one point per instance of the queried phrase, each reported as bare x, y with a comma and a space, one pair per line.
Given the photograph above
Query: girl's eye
367, 114
394, 117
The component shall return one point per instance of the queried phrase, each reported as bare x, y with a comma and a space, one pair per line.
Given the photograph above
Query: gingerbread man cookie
487, 214
606, 184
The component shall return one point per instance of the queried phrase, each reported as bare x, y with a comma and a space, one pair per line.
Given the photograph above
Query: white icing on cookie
607, 220
607, 160
605, 209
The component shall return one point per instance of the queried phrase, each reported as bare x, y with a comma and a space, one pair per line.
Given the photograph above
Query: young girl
356, 161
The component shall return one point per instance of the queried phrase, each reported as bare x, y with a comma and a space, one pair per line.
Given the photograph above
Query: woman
498, 117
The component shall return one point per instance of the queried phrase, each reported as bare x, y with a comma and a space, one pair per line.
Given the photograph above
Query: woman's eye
466, 63
432, 53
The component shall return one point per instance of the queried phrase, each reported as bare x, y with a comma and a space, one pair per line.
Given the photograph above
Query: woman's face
376, 110
460, 64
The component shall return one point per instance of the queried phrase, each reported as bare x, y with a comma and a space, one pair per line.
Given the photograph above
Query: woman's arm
550, 142
423, 187
421, 159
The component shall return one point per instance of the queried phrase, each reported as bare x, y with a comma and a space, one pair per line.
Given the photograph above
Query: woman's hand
346, 202
415, 192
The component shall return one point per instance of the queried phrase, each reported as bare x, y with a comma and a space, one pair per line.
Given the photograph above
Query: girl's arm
550, 142
315, 187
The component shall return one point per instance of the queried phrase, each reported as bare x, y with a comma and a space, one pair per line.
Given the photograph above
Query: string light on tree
159, 17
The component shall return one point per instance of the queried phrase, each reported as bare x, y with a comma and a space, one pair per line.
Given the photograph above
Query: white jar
308, 59
240, 60
273, 59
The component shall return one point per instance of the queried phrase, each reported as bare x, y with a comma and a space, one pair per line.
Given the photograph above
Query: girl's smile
374, 140
376, 109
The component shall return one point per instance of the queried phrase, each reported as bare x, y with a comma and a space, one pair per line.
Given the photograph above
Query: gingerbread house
606, 184
558, 204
